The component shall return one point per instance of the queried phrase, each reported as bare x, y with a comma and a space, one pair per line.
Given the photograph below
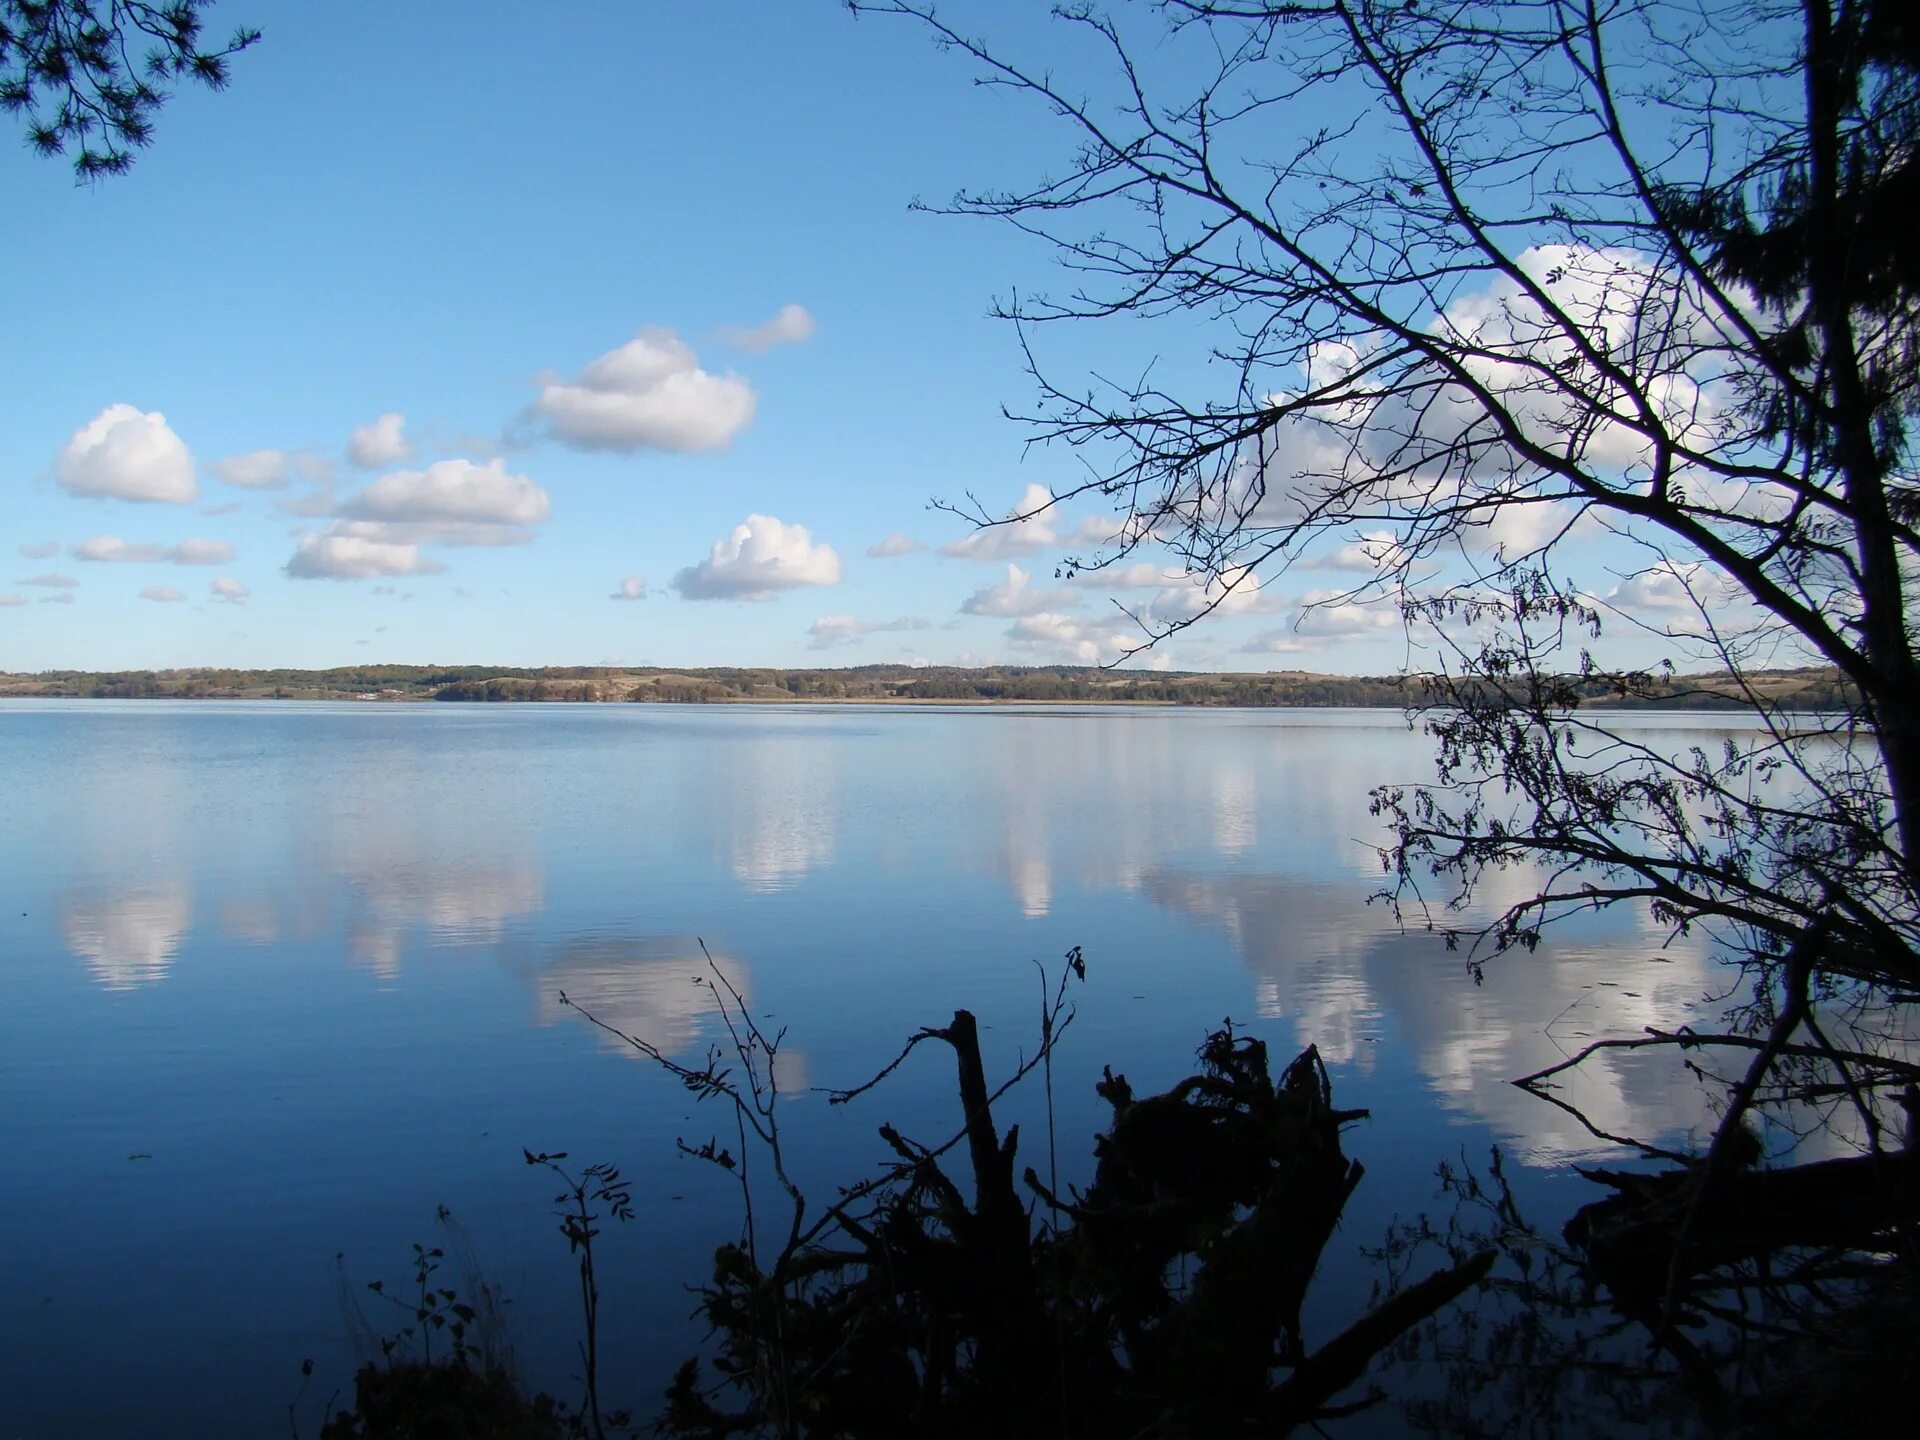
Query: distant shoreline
1810, 689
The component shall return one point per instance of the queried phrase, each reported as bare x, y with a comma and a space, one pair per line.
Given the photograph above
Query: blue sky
572, 335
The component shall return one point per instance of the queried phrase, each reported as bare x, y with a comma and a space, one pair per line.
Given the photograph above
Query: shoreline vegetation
1810, 689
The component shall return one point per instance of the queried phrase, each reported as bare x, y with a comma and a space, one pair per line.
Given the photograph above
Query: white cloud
1660, 588
316, 502
1012, 536
761, 557
1670, 590
192, 551
634, 587
225, 507
255, 470
113, 548
1093, 530
1141, 575
51, 581
452, 502
1336, 617
272, 469
125, 454
40, 551
356, 557
228, 589
9, 601
1276, 642
163, 594
447, 533
650, 394
382, 442
1402, 443
1374, 551
790, 325
1015, 596
65, 597
1232, 592
1326, 617
831, 630
196, 551
1087, 642
894, 545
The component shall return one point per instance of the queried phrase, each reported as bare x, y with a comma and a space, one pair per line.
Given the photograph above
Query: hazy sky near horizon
571, 335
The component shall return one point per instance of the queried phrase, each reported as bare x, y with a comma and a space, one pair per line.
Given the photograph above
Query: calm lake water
277, 981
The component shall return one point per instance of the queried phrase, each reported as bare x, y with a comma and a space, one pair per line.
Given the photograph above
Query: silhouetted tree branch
90, 76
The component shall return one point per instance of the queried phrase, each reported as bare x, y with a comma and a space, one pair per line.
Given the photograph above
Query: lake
277, 981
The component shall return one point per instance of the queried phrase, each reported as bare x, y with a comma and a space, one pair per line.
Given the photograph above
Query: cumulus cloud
1325, 618
1088, 642
381, 442
894, 545
1397, 443
831, 630
1141, 575
40, 551
1236, 591
1015, 596
196, 551
1028, 527
273, 469
51, 581
9, 601
316, 502
111, 549
1374, 551
65, 597
355, 557
1671, 594
163, 594
760, 558
1277, 642
127, 454
790, 325
225, 507
450, 497
228, 589
650, 394
378, 530
634, 587
255, 470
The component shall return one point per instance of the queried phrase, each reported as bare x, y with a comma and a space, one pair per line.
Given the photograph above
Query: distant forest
1808, 689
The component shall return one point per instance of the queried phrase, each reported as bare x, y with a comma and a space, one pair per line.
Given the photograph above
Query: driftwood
1162, 1301
1630, 1238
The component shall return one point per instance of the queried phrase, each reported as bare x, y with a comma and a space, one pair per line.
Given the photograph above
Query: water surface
278, 980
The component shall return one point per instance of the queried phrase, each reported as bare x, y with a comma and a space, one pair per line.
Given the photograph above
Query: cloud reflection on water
780, 814
1251, 826
657, 988
1349, 981
129, 937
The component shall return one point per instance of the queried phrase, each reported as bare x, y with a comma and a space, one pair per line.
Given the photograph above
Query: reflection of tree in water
1165, 1299
1699, 1299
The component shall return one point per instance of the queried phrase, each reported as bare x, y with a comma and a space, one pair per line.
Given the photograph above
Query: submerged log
1630, 1238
